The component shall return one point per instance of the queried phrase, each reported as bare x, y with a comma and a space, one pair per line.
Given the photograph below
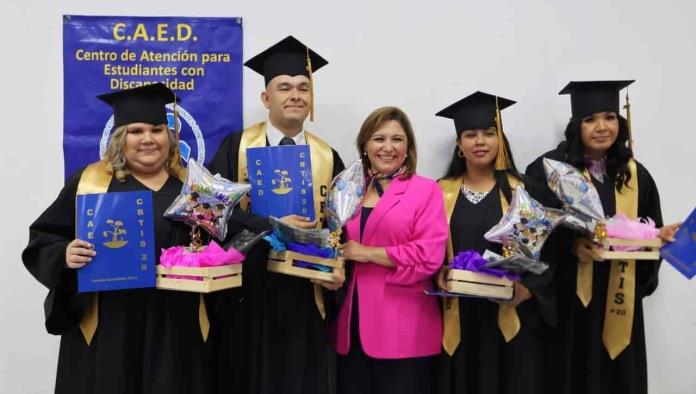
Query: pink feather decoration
622, 227
212, 256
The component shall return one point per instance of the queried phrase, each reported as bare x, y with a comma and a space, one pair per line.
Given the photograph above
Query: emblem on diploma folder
121, 228
281, 181
116, 234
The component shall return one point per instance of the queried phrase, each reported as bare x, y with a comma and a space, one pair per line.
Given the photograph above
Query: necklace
472, 196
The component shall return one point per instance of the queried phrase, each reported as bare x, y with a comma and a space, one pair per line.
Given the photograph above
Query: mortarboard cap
287, 57
144, 104
589, 97
476, 111
481, 111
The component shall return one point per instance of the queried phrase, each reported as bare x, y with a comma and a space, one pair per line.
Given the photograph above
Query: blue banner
281, 181
199, 58
121, 228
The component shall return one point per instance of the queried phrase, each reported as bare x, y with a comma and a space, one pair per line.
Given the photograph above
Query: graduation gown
269, 332
578, 360
147, 340
484, 363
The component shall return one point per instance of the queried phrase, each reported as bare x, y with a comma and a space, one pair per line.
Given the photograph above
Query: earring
365, 153
460, 153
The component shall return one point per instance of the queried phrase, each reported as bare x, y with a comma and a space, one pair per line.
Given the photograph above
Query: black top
364, 215
470, 221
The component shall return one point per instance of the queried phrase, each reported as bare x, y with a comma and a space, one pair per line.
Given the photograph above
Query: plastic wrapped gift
206, 201
343, 200
290, 256
469, 275
312, 253
522, 231
620, 237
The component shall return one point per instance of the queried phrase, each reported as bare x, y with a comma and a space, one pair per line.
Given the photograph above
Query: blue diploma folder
682, 252
121, 228
281, 181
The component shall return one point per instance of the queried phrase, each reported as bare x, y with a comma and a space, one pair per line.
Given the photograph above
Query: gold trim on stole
252, 137
321, 157
621, 291
584, 271
508, 320
96, 179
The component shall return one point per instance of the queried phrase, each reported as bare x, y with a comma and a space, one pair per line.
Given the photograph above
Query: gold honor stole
321, 157
621, 292
96, 179
508, 321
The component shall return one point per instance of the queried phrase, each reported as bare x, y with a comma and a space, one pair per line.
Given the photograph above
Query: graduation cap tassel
628, 122
176, 160
311, 87
501, 160
176, 118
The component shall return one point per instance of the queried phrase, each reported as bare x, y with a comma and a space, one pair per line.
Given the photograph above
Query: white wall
418, 55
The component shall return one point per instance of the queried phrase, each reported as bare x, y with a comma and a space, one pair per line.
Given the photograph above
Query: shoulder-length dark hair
377, 119
457, 168
617, 155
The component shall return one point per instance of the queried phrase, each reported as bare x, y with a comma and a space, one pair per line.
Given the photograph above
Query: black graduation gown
270, 330
578, 360
484, 363
147, 340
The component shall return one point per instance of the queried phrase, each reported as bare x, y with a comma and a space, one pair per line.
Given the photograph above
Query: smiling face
287, 100
479, 146
386, 149
598, 132
146, 147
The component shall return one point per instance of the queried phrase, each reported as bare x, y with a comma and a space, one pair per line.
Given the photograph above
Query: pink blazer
396, 318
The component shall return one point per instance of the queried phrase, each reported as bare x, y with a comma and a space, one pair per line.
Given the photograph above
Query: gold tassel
311, 87
501, 160
175, 165
627, 107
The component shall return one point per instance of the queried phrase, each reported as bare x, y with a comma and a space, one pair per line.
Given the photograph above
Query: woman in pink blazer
388, 329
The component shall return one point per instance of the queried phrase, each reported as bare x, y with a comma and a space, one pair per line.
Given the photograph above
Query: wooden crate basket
650, 249
201, 280
282, 263
480, 285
